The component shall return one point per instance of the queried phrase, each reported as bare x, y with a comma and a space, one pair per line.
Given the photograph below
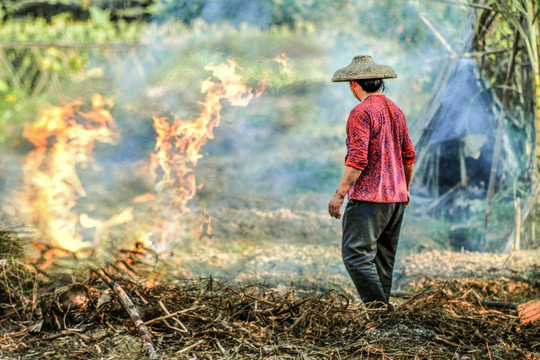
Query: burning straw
64, 138
179, 142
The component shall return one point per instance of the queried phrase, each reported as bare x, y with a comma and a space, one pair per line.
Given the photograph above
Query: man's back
378, 143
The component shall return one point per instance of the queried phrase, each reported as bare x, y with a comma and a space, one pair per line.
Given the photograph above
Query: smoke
238, 12
267, 174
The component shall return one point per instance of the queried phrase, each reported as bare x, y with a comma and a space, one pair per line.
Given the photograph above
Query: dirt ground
447, 306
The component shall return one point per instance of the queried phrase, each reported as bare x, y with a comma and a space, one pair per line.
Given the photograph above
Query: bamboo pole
532, 41
462, 164
438, 35
517, 243
498, 140
148, 345
524, 212
536, 82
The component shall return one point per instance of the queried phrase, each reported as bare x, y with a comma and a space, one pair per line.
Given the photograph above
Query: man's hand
409, 170
350, 175
334, 205
408, 198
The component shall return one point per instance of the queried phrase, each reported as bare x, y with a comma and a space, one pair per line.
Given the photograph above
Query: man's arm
409, 170
350, 175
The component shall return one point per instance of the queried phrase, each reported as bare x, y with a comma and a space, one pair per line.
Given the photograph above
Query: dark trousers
370, 238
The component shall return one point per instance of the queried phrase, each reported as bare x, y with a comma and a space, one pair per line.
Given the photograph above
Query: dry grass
80, 317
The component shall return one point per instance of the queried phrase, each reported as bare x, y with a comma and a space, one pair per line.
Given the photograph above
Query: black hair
371, 85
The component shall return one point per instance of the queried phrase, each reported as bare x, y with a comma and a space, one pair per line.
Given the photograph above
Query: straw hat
363, 67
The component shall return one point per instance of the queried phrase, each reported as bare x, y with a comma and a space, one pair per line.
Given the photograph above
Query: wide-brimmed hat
363, 67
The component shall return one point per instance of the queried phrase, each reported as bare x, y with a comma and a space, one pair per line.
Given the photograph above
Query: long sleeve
379, 145
358, 134
408, 152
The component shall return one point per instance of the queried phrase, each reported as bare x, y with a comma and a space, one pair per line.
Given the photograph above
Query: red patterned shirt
378, 143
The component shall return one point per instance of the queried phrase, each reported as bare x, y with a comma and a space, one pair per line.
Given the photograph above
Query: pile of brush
113, 313
204, 319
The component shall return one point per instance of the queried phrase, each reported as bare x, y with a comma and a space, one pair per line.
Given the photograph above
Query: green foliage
504, 26
10, 243
77, 9
389, 19
100, 17
294, 13
182, 10
30, 71
496, 30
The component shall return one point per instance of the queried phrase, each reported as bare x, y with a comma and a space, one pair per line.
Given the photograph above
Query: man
377, 177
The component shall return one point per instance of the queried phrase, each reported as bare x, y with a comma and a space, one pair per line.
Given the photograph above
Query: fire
281, 59
64, 139
179, 141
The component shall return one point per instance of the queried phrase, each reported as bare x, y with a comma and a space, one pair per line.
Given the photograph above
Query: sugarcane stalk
148, 345
536, 81
498, 139
534, 40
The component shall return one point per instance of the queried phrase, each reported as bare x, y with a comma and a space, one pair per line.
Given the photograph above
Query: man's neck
365, 95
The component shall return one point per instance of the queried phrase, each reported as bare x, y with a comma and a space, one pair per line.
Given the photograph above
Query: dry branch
132, 311
500, 304
439, 317
489, 303
164, 308
438, 35
172, 315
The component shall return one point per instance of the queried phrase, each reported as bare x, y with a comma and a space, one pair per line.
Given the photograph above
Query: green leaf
99, 17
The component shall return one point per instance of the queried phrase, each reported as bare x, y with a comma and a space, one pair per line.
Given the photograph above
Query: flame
283, 63
64, 139
102, 227
281, 59
205, 220
178, 141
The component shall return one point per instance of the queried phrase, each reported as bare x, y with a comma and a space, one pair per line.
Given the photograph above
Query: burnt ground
441, 313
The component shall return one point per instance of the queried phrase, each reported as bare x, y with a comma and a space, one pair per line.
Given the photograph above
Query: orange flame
179, 142
64, 138
281, 59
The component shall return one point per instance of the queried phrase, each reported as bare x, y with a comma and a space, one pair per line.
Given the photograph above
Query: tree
498, 23
515, 25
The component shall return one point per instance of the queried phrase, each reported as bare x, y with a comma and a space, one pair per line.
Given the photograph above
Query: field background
266, 177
